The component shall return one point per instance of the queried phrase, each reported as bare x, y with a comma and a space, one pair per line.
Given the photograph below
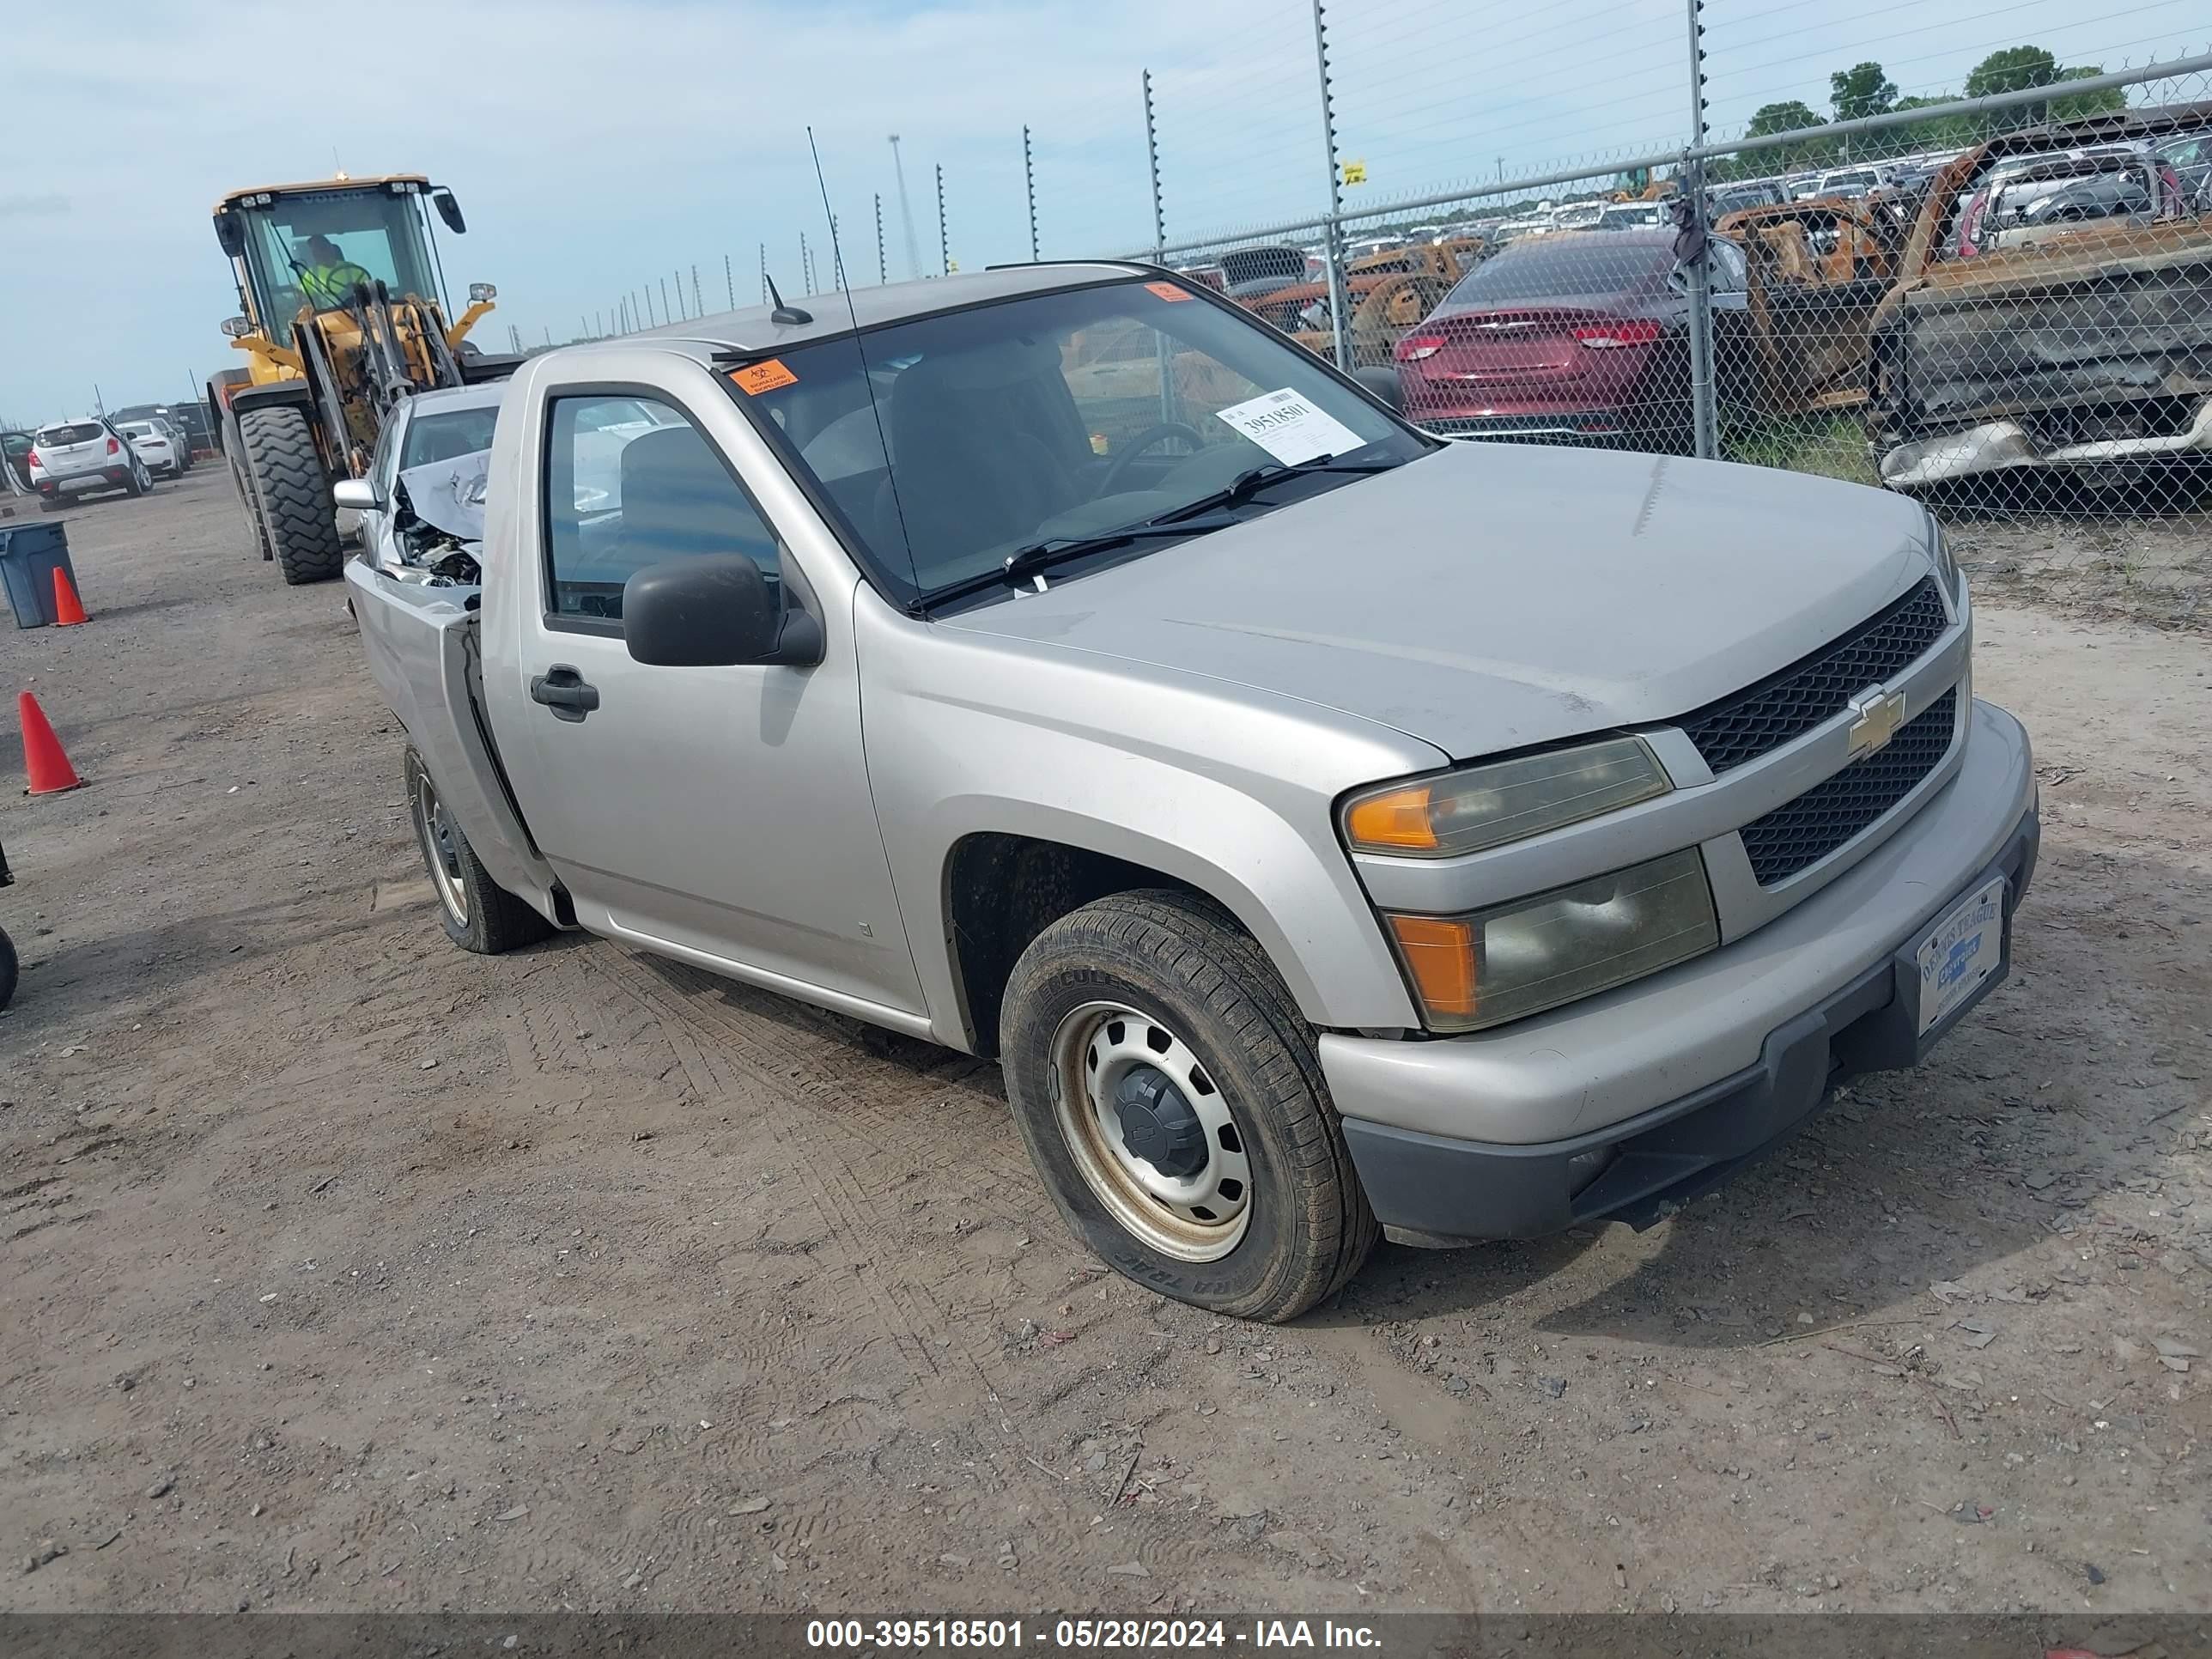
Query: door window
632, 482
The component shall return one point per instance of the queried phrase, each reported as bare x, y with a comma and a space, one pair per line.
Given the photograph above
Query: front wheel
478, 914
1171, 1098
285, 472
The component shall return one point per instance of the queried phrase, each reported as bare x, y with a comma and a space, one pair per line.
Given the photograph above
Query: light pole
906, 213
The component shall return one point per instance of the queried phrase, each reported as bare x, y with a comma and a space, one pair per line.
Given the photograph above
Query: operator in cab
325, 274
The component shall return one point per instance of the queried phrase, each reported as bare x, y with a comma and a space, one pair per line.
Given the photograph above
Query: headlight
1947, 574
1506, 801
1517, 959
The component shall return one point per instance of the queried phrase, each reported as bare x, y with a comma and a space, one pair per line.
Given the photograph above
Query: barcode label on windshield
1289, 427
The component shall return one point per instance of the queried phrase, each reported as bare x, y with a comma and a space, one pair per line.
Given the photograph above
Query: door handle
565, 692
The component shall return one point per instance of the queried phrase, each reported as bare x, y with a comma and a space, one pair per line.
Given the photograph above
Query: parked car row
2042, 300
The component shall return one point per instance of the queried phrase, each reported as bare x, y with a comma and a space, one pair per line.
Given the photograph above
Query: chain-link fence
2000, 305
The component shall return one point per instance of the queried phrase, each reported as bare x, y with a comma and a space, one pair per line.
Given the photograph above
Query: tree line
1865, 89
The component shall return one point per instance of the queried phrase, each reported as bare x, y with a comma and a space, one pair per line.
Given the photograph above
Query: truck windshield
297, 239
1051, 416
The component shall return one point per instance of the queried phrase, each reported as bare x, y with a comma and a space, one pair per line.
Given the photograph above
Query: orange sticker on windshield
756, 377
1168, 290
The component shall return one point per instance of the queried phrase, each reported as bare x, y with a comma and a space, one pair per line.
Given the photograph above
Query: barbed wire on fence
1983, 333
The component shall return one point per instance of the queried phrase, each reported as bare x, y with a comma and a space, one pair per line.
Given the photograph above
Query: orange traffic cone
49, 768
69, 611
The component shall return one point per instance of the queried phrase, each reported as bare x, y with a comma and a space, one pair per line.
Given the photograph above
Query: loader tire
297, 514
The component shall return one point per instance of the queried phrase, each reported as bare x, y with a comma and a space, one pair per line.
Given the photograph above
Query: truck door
721, 811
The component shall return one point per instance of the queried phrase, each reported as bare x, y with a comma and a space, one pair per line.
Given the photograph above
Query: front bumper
1676, 1081
2007, 446
1572, 426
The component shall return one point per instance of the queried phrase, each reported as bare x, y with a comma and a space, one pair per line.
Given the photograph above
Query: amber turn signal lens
1399, 818
1439, 953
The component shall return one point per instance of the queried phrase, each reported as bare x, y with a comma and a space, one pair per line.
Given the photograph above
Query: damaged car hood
449, 494
1491, 596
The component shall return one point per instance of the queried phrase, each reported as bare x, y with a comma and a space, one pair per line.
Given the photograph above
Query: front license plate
1961, 951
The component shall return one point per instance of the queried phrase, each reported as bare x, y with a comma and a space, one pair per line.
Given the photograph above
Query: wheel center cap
1157, 1124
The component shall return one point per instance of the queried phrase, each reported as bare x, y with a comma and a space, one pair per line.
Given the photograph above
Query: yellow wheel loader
339, 287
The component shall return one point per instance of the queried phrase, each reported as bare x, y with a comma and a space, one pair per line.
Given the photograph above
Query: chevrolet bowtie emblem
1876, 713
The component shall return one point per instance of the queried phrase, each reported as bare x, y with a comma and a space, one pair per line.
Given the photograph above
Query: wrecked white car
421, 502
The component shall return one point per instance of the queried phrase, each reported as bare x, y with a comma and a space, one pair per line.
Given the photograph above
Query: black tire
1184, 963
297, 514
478, 913
132, 489
6, 969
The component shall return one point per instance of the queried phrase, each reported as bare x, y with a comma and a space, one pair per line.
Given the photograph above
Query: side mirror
482, 294
237, 327
1383, 384
360, 494
449, 210
713, 611
230, 231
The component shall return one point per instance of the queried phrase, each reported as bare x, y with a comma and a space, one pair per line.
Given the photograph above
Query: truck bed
422, 650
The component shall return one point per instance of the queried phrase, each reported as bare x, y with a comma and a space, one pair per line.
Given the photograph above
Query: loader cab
297, 244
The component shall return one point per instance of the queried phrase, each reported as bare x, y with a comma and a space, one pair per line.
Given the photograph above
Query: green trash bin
29, 555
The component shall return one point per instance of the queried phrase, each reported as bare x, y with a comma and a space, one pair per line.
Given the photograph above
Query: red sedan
1568, 338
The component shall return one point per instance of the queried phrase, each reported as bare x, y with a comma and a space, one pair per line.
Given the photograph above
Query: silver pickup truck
1330, 828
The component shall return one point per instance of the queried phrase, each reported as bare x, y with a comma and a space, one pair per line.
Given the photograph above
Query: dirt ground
345, 1270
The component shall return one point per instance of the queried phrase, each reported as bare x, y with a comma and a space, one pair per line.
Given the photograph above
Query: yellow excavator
339, 286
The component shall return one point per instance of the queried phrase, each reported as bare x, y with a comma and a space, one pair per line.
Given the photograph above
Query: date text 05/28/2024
1149, 1634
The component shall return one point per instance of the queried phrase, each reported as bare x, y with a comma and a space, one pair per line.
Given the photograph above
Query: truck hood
1491, 596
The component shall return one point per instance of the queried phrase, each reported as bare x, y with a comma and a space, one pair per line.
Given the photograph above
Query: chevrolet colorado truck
1331, 829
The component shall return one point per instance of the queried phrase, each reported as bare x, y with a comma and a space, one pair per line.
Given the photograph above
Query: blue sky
598, 146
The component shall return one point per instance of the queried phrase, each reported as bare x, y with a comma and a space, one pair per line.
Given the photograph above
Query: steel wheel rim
442, 845
1198, 1217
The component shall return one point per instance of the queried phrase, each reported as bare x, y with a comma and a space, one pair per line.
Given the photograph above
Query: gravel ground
345, 1271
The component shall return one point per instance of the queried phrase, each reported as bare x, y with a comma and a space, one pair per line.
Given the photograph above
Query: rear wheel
131, 487
478, 913
1171, 1095
7, 967
285, 471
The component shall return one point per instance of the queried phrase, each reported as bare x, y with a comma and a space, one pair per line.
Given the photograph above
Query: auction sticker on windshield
1289, 427
1962, 949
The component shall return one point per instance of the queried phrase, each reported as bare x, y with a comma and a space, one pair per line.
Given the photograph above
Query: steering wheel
340, 280
1143, 441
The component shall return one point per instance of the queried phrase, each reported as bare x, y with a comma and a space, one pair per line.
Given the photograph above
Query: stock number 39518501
999, 1633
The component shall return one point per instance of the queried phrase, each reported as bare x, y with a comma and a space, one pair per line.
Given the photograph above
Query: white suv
72, 457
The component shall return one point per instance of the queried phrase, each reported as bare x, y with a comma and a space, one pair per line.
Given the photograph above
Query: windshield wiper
1242, 488
1030, 563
